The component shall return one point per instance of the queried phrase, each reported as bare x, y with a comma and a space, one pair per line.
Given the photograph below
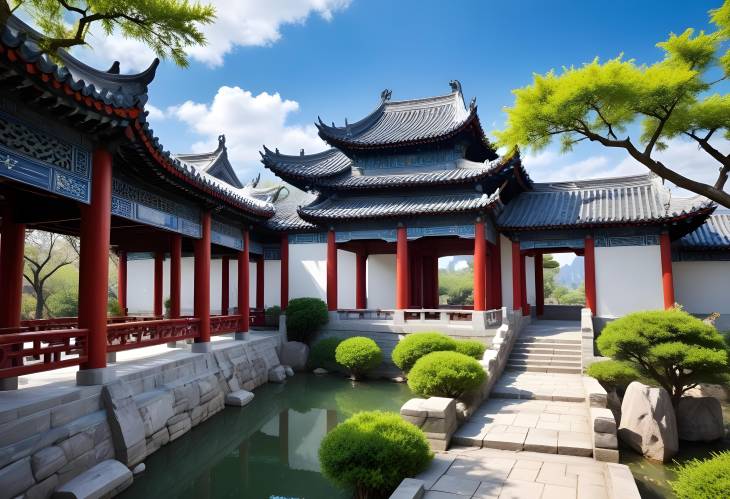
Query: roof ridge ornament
455, 86
473, 104
114, 69
255, 181
385, 94
221, 141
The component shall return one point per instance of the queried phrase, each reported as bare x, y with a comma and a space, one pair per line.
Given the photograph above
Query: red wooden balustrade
224, 324
129, 335
257, 317
50, 349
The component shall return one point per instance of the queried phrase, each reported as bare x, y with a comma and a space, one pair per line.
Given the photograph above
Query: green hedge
445, 374
472, 348
322, 354
304, 316
373, 452
613, 374
414, 346
704, 479
358, 355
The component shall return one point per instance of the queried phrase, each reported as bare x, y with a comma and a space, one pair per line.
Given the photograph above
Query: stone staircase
546, 355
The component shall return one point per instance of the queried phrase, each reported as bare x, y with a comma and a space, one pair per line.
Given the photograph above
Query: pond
653, 478
268, 448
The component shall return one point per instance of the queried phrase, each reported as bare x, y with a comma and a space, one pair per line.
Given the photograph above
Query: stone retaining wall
51, 434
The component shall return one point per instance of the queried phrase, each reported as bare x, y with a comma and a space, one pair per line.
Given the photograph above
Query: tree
670, 99
44, 256
167, 26
671, 347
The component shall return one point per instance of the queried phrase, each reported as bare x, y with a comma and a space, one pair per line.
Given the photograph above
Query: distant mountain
573, 274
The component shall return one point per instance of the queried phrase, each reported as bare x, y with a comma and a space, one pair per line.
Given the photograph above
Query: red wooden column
589, 261
159, 260
94, 269
284, 271
480, 267
12, 238
331, 271
361, 299
201, 291
175, 275
122, 281
523, 286
225, 284
401, 269
243, 285
260, 271
667, 276
516, 276
496, 275
539, 286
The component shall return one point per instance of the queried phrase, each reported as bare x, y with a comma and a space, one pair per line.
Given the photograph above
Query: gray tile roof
214, 163
306, 166
611, 201
713, 234
404, 121
385, 206
286, 216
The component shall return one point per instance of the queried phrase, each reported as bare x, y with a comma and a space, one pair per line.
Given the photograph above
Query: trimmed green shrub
372, 452
613, 374
704, 479
358, 355
271, 315
414, 346
445, 374
671, 347
322, 354
304, 316
472, 348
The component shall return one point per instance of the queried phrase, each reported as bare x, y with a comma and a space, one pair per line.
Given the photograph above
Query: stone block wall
53, 434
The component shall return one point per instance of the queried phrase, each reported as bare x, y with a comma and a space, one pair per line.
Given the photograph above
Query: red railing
72, 322
257, 317
48, 350
129, 335
223, 324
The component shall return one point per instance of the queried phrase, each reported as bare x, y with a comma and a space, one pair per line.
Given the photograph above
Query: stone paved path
491, 474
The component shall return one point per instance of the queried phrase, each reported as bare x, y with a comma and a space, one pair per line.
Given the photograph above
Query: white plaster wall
215, 286
506, 257
272, 283
252, 285
140, 286
628, 279
381, 281
530, 280
346, 270
702, 287
308, 270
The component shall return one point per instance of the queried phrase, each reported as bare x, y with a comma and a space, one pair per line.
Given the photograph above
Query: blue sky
274, 66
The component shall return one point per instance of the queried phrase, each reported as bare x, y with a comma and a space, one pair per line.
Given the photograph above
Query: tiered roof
214, 163
609, 202
714, 234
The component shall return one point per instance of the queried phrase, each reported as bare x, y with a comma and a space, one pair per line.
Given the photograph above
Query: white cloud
239, 23
154, 113
248, 121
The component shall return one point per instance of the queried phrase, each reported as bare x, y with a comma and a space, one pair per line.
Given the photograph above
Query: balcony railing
129, 335
72, 322
36, 351
223, 324
493, 318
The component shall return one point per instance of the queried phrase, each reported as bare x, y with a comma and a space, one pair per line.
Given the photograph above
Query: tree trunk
40, 304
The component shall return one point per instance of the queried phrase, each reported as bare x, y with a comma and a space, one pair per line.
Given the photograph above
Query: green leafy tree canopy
676, 97
166, 26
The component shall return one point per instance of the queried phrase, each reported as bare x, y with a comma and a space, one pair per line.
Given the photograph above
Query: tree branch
724, 160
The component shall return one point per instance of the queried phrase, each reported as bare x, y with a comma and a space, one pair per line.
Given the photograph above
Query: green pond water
267, 449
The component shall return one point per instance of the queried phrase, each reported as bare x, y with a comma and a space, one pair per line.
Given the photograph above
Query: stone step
539, 339
546, 362
545, 369
545, 356
546, 349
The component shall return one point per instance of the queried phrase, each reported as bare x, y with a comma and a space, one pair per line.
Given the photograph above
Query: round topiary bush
472, 348
704, 479
414, 346
322, 354
445, 374
613, 374
304, 316
358, 355
372, 452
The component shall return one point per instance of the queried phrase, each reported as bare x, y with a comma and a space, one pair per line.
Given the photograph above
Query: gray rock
102, 480
125, 424
603, 421
414, 407
16, 478
605, 440
156, 412
440, 407
295, 354
77, 445
239, 398
289, 371
277, 374
700, 419
47, 461
320, 371
139, 469
648, 424
74, 468
42, 490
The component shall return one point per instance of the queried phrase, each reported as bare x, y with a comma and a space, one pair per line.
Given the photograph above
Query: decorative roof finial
277, 150
221, 141
385, 94
455, 86
473, 104
255, 180
114, 70
301, 151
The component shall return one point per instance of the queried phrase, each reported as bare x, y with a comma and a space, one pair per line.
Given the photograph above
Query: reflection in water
267, 449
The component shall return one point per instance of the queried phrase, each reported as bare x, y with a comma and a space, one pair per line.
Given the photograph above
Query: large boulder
700, 419
648, 424
295, 355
